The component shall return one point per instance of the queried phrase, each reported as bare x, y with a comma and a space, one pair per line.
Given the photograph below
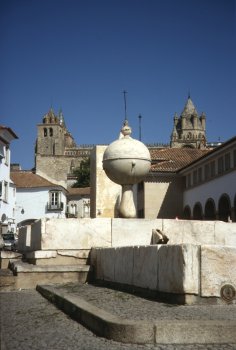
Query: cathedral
189, 128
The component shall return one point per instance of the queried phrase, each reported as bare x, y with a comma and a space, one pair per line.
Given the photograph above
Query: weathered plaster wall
163, 197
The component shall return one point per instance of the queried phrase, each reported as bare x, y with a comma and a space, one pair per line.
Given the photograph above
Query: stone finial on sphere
126, 162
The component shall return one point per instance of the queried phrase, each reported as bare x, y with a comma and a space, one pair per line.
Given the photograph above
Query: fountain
126, 161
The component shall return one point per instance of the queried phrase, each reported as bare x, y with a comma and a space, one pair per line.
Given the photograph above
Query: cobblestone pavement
30, 322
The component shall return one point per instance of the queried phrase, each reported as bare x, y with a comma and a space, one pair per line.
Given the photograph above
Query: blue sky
79, 55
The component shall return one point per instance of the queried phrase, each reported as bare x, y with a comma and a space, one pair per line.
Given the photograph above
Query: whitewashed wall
34, 203
212, 189
7, 207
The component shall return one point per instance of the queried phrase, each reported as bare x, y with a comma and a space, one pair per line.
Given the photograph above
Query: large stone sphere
126, 161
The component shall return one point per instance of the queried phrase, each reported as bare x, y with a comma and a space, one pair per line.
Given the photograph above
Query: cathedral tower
53, 136
189, 129
56, 153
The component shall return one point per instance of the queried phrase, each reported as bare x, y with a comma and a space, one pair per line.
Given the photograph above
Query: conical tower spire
61, 118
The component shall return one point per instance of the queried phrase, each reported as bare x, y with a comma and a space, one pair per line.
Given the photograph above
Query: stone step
6, 256
166, 328
27, 276
7, 280
58, 257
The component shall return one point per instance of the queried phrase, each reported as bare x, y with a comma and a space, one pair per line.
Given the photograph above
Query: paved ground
130, 306
30, 322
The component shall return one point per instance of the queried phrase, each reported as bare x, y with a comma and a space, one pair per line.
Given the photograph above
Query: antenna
125, 92
140, 119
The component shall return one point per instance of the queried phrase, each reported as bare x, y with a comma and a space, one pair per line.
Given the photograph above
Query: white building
37, 198
210, 185
7, 188
78, 202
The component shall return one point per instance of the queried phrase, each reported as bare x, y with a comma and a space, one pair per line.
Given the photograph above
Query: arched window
187, 213
224, 208
197, 211
51, 131
210, 210
45, 132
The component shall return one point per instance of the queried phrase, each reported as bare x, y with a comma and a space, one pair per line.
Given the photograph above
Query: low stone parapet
27, 276
58, 257
181, 269
77, 234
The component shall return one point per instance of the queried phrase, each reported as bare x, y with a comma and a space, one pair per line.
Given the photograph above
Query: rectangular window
5, 191
195, 177
0, 188
54, 200
188, 180
7, 159
199, 175
227, 161
213, 171
220, 165
207, 171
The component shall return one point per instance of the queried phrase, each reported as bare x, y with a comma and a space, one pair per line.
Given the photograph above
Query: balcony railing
55, 207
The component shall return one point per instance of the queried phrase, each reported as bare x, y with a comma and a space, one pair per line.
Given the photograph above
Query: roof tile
27, 179
172, 159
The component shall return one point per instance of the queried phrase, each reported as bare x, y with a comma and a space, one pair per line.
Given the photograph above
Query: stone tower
53, 136
189, 129
56, 153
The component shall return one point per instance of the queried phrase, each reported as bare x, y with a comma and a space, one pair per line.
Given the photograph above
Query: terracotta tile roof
27, 179
78, 191
173, 159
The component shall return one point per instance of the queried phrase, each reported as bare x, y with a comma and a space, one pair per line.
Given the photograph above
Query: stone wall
56, 168
50, 234
177, 269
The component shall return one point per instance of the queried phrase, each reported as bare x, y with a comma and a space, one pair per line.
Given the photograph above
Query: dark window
188, 181
195, 177
220, 165
213, 171
235, 158
227, 161
207, 171
45, 132
51, 131
199, 171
